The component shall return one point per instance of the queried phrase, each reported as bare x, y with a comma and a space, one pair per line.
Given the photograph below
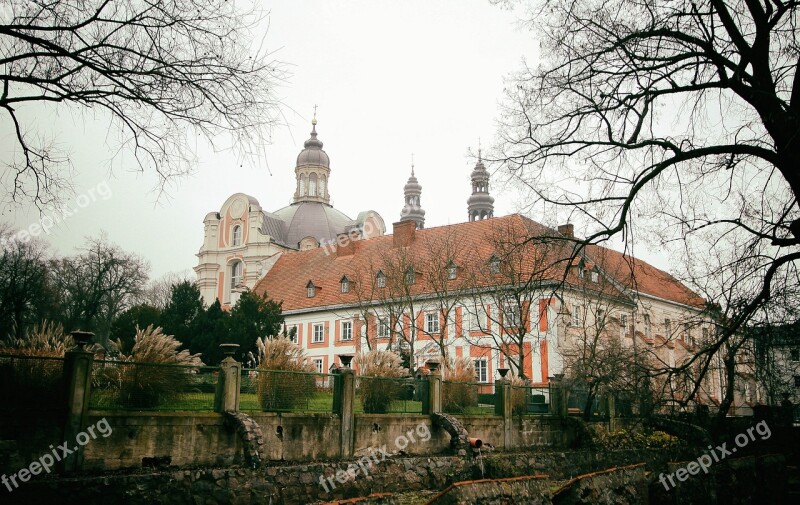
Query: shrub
34, 380
146, 386
283, 382
635, 439
457, 392
377, 385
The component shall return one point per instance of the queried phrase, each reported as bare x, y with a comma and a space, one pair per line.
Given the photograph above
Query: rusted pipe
475, 442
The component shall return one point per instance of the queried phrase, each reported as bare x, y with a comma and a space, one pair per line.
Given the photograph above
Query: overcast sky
390, 79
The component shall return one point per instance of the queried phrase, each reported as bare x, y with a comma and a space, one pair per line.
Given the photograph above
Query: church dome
312, 154
312, 219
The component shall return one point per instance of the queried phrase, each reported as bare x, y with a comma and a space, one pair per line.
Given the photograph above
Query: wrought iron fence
285, 391
530, 399
128, 385
31, 382
469, 398
383, 395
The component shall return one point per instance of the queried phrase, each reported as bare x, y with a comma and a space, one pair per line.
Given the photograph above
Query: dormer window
237, 235
380, 279
311, 289
452, 270
410, 275
494, 264
595, 276
345, 283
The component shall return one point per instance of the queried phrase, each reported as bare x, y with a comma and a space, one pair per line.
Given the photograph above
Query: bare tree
164, 71
158, 292
676, 120
96, 285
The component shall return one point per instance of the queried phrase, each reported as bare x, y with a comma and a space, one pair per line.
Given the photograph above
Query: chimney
345, 245
403, 233
568, 230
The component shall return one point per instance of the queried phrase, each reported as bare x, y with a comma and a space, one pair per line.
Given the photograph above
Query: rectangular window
474, 321
687, 333
345, 286
481, 370
318, 364
595, 277
432, 322
347, 330
291, 332
452, 272
794, 354
600, 318
511, 314
381, 280
577, 315
667, 328
319, 334
383, 327
623, 325
647, 330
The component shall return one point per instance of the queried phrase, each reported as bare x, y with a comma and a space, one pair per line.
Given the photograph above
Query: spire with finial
412, 210
312, 169
480, 204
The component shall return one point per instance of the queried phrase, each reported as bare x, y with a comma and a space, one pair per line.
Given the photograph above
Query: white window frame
432, 323
380, 279
346, 330
623, 325
288, 330
481, 370
311, 290
237, 276
511, 315
345, 282
576, 318
595, 276
319, 364
237, 235
317, 333
452, 271
410, 276
383, 328
494, 265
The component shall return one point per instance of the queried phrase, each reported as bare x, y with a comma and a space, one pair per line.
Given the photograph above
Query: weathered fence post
229, 382
503, 406
558, 396
432, 403
78, 381
344, 394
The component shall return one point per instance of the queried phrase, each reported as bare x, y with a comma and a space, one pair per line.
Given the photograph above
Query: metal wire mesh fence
470, 398
285, 391
530, 400
31, 382
383, 395
152, 386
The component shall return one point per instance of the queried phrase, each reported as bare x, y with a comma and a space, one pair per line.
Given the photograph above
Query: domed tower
312, 170
480, 204
412, 211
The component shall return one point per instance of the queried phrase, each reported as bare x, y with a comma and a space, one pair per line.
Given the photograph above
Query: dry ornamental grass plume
375, 390
31, 382
457, 393
146, 386
283, 379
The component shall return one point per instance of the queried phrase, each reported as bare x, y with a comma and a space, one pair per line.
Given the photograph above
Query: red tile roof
470, 246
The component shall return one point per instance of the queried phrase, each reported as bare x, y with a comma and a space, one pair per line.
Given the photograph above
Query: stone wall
317, 482
531, 490
614, 486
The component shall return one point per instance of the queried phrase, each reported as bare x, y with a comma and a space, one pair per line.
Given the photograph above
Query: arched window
236, 274
311, 289
322, 183
303, 185
345, 282
237, 235
312, 185
380, 278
